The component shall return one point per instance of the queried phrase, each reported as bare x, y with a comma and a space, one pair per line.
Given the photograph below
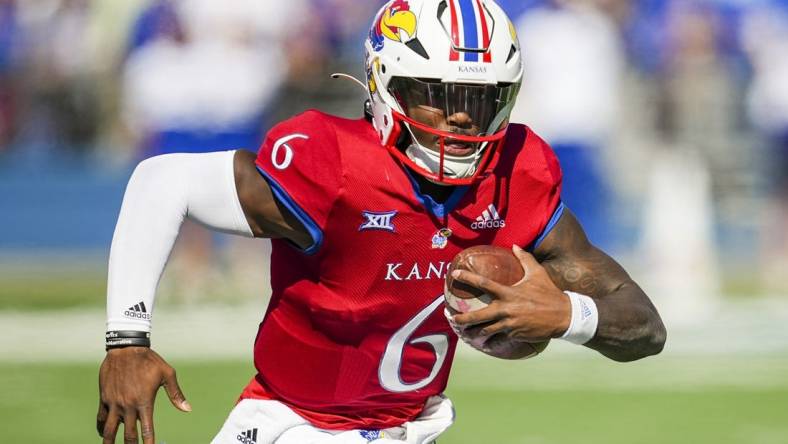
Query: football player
365, 215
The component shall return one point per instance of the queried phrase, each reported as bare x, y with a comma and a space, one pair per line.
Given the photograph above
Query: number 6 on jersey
280, 145
390, 364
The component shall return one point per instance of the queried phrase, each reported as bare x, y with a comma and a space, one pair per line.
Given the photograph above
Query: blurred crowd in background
670, 117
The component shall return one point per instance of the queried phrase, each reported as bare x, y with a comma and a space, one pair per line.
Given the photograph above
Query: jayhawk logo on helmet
393, 20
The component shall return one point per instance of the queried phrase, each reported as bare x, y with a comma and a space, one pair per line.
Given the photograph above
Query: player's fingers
146, 424
174, 392
111, 426
482, 283
494, 328
130, 427
450, 317
475, 331
527, 260
490, 313
101, 417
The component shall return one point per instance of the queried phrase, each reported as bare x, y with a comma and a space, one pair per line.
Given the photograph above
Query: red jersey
354, 336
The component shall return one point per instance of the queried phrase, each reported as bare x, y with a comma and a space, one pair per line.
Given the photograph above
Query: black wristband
126, 334
120, 339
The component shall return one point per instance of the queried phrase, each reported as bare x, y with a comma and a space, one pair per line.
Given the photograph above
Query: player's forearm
161, 193
629, 326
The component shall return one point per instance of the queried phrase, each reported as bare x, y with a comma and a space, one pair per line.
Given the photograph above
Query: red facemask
484, 164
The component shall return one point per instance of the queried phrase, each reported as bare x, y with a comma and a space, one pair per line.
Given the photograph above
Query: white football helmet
448, 71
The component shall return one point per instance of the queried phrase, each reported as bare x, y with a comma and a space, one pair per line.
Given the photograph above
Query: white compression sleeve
162, 192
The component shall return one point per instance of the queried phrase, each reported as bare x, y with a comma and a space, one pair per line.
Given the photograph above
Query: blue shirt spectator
9, 34
158, 19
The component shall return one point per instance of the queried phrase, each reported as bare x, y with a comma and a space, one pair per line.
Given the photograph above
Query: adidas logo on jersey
248, 437
489, 219
138, 311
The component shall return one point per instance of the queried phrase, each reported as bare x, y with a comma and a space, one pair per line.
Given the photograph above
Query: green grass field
552, 399
52, 291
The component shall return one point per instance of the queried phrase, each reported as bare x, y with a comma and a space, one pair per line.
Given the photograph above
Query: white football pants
255, 421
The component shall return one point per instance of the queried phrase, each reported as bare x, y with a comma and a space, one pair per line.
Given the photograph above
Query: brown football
500, 265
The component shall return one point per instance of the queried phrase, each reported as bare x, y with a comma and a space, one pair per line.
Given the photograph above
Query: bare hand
128, 381
532, 310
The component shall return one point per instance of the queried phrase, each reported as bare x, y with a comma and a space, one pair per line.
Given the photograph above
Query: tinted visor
473, 110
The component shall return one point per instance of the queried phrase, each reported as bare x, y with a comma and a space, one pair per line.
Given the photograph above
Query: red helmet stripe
455, 33
485, 32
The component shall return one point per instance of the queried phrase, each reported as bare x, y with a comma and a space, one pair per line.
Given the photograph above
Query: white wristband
585, 319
